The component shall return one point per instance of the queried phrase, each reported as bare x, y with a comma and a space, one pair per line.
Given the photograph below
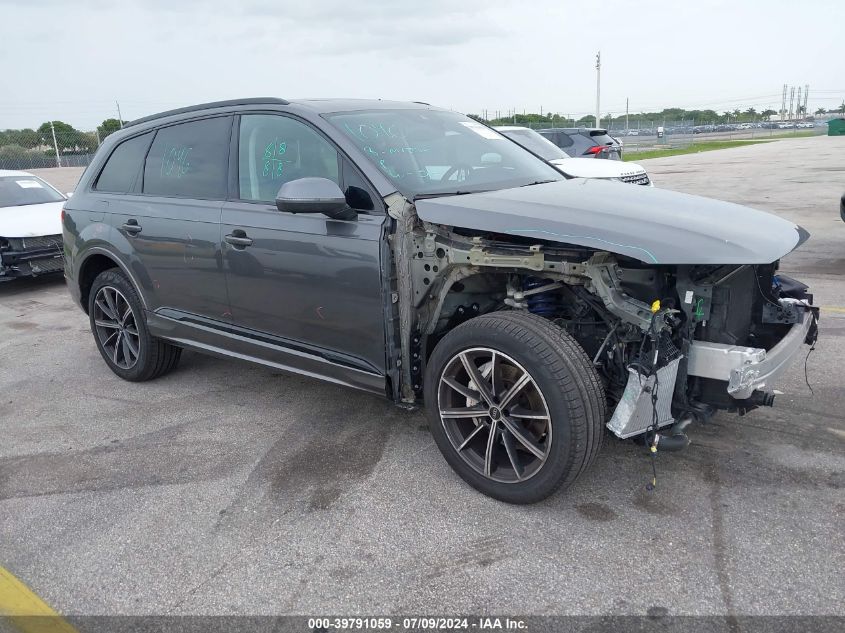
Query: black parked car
582, 141
417, 254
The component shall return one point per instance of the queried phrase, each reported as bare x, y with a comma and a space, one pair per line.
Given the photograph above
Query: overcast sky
71, 59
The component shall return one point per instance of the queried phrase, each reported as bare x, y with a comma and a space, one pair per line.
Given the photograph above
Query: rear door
171, 221
303, 282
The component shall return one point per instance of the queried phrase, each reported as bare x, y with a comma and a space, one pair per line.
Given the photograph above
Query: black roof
208, 106
321, 106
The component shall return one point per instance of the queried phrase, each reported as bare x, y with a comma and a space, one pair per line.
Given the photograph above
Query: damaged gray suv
418, 254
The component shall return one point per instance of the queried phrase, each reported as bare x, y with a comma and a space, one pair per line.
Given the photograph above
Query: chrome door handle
238, 238
132, 227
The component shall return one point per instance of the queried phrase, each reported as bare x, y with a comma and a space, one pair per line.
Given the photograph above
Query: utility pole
791, 102
119, 117
798, 104
55, 145
598, 86
783, 104
97, 132
806, 92
626, 114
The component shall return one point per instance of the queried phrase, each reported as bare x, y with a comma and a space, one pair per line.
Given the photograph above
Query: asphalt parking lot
229, 489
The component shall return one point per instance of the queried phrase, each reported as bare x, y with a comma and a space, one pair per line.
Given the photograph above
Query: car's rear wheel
120, 330
515, 405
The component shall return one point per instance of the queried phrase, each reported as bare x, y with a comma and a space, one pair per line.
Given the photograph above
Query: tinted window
601, 137
357, 191
276, 149
561, 139
124, 165
189, 160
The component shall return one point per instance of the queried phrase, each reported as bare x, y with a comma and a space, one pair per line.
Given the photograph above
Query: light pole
598, 86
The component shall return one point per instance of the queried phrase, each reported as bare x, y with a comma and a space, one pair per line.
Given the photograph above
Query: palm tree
821, 111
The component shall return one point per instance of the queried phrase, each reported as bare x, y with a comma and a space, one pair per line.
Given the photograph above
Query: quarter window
189, 160
276, 149
124, 165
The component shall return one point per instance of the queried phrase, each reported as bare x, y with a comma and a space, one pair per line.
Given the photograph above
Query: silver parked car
631, 173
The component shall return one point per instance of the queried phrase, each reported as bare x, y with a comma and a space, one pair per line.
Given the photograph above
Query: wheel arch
96, 261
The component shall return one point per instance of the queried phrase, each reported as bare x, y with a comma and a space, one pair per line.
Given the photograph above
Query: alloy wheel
116, 327
495, 415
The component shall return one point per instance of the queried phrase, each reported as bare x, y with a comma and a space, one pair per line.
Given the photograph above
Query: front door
311, 284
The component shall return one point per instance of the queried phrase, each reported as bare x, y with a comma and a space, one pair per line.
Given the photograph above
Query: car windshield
16, 191
432, 152
532, 141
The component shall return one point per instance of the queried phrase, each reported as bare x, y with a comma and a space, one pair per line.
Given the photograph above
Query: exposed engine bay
672, 343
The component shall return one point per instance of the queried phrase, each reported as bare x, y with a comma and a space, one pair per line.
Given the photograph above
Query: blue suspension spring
543, 303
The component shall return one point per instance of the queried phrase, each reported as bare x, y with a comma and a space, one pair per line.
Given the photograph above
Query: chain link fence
648, 134
58, 144
53, 144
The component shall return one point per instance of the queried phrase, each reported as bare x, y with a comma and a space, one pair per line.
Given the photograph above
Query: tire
117, 320
540, 455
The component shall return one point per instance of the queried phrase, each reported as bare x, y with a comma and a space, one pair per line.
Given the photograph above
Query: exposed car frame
647, 309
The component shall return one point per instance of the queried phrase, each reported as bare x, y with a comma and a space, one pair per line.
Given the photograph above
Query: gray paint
652, 225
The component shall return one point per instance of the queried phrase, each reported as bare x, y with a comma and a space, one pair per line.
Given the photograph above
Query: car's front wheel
515, 405
120, 330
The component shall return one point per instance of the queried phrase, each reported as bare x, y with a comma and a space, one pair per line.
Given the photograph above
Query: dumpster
836, 127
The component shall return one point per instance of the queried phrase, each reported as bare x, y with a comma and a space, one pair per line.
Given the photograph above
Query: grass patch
707, 146
801, 134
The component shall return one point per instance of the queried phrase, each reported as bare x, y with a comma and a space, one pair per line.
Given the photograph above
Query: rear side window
124, 165
189, 160
601, 137
561, 139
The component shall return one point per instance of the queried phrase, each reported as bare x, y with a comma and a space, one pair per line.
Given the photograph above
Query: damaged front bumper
750, 369
30, 256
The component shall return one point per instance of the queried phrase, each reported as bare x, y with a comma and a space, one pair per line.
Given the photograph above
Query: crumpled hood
31, 220
656, 226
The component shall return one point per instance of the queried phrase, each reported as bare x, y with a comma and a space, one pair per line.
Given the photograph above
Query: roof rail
208, 106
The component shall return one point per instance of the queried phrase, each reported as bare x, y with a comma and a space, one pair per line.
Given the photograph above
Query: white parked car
30, 226
575, 167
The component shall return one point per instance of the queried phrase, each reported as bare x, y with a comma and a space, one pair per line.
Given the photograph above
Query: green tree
842, 108
821, 111
110, 126
67, 137
26, 138
768, 113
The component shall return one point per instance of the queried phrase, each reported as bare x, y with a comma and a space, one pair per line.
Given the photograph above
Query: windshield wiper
423, 196
538, 182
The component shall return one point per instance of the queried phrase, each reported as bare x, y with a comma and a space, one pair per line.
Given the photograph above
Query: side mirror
314, 195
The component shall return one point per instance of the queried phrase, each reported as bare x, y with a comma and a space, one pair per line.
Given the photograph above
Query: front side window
17, 191
189, 160
124, 165
276, 149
